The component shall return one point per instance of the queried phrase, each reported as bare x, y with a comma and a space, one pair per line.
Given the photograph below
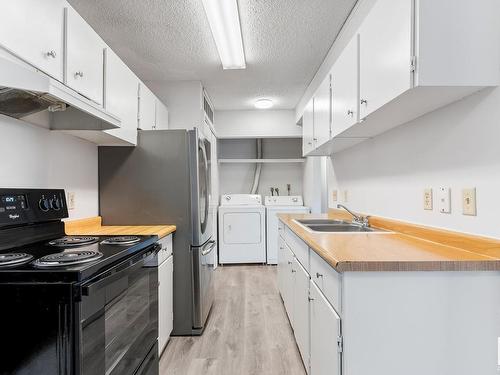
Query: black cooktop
68, 258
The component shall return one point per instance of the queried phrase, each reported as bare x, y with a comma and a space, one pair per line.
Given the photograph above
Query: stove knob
55, 204
43, 204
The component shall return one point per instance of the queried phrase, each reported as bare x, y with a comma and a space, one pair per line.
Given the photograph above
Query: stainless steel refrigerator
165, 179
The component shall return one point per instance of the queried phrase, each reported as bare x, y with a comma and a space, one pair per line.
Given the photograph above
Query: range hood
25, 91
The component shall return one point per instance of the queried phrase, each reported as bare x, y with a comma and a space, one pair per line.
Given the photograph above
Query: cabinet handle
364, 101
318, 275
79, 74
289, 262
350, 113
51, 54
293, 271
310, 299
309, 143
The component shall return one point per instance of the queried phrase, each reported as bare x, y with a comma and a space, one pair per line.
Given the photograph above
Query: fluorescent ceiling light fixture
263, 103
224, 20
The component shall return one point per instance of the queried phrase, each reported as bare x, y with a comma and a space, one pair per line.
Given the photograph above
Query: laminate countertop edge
391, 251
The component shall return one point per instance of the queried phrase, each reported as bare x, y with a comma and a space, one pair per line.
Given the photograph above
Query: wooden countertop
93, 226
407, 248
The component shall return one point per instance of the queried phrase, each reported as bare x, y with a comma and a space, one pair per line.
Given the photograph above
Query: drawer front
327, 279
166, 248
298, 247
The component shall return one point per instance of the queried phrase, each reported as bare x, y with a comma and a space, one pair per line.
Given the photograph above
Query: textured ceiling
285, 41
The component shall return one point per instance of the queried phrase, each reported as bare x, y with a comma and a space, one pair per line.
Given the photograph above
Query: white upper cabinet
33, 30
414, 57
308, 128
345, 88
147, 108
121, 96
385, 39
322, 112
84, 57
161, 121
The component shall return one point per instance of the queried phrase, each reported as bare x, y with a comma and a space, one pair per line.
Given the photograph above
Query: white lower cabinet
301, 311
326, 342
165, 294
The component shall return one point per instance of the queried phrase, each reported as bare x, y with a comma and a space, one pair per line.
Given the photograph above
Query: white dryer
242, 229
292, 204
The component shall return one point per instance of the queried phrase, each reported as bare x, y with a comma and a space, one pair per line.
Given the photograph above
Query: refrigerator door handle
206, 251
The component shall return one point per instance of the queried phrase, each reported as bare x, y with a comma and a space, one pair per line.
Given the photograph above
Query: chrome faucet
357, 219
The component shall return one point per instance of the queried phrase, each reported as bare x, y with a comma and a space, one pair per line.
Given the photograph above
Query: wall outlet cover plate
428, 199
444, 200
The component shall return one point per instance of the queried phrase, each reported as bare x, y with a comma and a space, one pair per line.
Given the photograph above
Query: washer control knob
55, 204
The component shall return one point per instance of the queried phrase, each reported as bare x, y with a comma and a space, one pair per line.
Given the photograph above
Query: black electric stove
76, 305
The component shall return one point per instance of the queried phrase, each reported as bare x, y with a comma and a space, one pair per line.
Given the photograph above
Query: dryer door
242, 228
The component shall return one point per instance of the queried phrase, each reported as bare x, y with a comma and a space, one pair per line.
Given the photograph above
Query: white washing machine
292, 204
242, 229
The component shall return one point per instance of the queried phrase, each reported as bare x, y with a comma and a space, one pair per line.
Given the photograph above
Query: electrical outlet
469, 202
71, 200
444, 200
335, 195
345, 196
427, 199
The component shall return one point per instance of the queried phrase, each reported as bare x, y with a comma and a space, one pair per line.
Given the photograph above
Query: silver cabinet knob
364, 101
309, 143
52, 54
310, 299
350, 113
318, 275
79, 74
289, 262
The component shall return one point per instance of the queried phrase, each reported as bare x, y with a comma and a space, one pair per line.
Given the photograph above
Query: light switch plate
335, 196
469, 202
428, 199
71, 200
444, 200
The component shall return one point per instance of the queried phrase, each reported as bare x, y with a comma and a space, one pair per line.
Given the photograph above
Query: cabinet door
345, 88
289, 285
322, 113
121, 93
147, 108
161, 121
165, 308
34, 31
84, 57
282, 267
301, 311
308, 128
385, 54
325, 332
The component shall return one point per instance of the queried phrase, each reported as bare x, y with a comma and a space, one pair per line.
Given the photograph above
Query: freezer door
203, 282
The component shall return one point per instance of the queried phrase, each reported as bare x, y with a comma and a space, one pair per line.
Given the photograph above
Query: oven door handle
107, 277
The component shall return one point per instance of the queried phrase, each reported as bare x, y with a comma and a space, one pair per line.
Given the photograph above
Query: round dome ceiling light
263, 103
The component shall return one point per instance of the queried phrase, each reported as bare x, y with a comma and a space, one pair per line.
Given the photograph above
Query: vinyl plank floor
248, 332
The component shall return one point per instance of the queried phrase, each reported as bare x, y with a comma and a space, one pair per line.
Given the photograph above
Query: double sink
335, 226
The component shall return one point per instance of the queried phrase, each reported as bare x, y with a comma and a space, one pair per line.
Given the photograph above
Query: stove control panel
27, 206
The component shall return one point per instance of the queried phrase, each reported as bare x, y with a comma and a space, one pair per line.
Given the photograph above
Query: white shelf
261, 160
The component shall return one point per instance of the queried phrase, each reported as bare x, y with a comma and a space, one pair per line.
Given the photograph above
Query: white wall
34, 157
257, 123
456, 146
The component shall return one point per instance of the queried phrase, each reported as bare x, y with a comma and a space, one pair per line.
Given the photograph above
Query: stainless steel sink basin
308, 222
344, 227
335, 226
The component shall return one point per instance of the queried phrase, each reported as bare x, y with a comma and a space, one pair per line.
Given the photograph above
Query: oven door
119, 317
